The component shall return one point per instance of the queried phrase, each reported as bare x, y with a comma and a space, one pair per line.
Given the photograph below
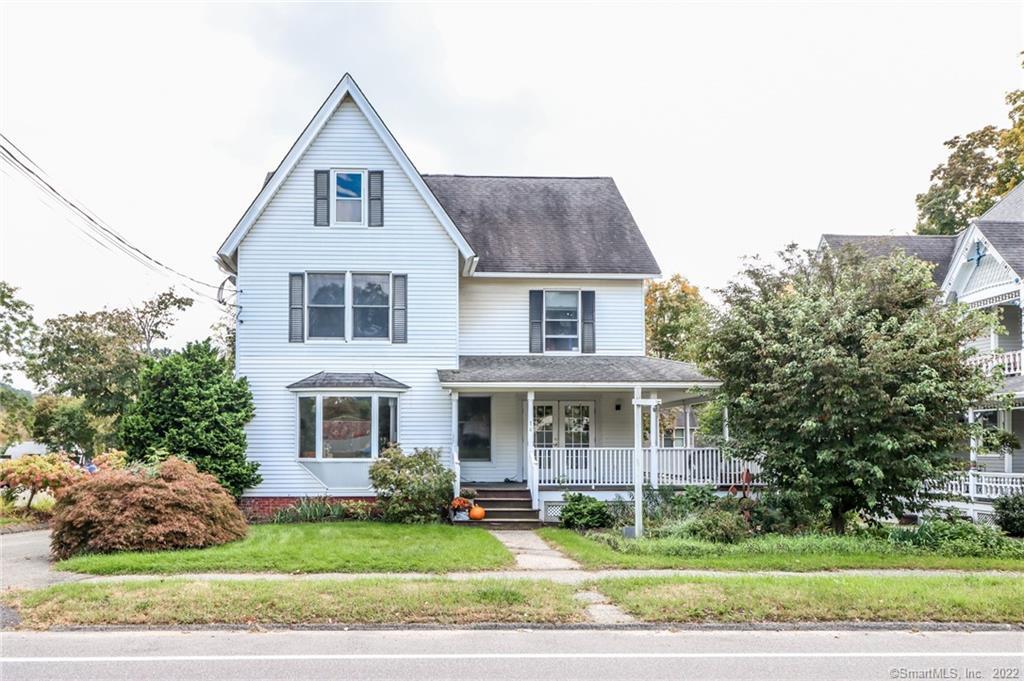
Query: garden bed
772, 552
749, 599
318, 547
181, 602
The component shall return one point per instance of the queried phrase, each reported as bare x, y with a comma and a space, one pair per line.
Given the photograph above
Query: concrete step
498, 502
493, 524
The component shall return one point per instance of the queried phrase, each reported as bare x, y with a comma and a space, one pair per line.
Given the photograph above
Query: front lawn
744, 599
362, 601
772, 552
318, 547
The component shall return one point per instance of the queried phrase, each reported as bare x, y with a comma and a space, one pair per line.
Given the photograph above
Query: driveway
25, 561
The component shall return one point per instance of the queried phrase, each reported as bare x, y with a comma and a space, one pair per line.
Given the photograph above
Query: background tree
676, 319
15, 416
97, 355
189, 404
17, 329
63, 424
982, 166
846, 379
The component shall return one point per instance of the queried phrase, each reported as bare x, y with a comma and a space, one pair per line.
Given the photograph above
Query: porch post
638, 464
456, 466
655, 442
725, 423
687, 440
971, 417
531, 470
1008, 427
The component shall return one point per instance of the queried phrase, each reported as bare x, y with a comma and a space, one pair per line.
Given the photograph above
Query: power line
94, 223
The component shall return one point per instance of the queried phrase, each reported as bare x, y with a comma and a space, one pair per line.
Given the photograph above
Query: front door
562, 432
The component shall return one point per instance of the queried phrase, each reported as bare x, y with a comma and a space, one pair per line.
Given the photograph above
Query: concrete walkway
532, 552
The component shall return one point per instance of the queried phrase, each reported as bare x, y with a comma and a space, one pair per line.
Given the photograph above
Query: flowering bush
461, 504
33, 474
113, 460
173, 506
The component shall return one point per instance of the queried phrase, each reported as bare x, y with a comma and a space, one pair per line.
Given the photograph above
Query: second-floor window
326, 305
561, 321
371, 305
347, 306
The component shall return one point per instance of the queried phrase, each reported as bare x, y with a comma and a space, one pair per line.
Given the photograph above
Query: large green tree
846, 379
63, 424
676, 319
17, 329
982, 166
97, 355
190, 405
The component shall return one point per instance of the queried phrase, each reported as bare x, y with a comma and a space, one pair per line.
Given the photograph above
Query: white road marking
499, 656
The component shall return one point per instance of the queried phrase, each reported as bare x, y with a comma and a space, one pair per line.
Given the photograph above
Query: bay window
346, 426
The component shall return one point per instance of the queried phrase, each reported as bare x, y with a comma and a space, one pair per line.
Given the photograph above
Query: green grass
179, 601
793, 554
966, 598
318, 547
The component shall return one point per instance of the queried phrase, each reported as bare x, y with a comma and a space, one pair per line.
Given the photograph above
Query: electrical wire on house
99, 231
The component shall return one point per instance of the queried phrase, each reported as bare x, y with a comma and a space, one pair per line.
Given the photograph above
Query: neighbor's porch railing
613, 466
978, 485
1012, 362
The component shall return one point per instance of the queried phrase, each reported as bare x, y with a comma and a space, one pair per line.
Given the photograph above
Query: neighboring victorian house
499, 320
983, 267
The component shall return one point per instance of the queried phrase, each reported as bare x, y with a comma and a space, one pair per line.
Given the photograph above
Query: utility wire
93, 222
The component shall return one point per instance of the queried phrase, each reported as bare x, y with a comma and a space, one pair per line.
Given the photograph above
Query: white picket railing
613, 466
1012, 362
978, 485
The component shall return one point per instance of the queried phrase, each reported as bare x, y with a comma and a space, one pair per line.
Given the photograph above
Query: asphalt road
25, 561
512, 655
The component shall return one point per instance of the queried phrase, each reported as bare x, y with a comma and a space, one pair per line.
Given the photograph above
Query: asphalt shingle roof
545, 224
933, 249
1010, 208
571, 369
325, 379
1008, 240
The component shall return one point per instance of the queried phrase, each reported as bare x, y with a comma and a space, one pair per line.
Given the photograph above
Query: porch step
510, 513
490, 523
495, 503
503, 492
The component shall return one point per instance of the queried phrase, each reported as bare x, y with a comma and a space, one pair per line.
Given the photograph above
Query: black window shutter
536, 321
321, 197
376, 196
399, 314
296, 316
588, 341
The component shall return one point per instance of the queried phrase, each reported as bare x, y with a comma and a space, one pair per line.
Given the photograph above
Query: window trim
344, 308
390, 308
579, 322
374, 393
349, 335
490, 428
333, 196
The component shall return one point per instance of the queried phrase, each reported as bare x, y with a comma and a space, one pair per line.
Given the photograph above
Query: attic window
977, 253
349, 206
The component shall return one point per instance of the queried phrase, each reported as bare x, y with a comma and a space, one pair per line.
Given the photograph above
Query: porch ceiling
525, 371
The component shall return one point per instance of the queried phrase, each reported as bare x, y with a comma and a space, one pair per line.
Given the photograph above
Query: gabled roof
1010, 208
346, 87
326, 379
573, 225
576, 369
934, 249
1007, 238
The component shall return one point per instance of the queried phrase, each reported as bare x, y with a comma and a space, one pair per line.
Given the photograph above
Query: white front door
563, 425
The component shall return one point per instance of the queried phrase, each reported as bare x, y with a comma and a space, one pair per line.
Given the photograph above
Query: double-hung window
358, 426
371, 305
325, 303
561, 321
349, 204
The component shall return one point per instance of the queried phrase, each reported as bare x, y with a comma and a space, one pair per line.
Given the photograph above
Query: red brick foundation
264, 507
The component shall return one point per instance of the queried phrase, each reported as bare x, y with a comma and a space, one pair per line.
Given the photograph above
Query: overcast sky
731, 129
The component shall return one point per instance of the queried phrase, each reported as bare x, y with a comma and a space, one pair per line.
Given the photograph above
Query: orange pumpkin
477, 513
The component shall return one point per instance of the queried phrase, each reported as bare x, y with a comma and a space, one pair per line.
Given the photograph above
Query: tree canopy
676, 319
982, 166
17, 329
846, 378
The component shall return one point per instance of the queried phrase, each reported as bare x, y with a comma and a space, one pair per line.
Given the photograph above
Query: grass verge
793, 554
318, 547
745, 599
364, 601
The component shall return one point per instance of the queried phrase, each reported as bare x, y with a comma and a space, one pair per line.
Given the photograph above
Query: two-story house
499, 320
983, 267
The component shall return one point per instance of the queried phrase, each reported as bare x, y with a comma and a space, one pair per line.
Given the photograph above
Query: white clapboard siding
284, 240
495, 313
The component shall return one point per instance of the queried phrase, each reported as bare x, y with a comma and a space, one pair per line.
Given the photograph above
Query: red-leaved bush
35, 473
173, 506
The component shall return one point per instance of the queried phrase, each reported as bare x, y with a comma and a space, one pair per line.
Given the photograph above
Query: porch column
725, 423
456, 466
1008, 455
531, 469
971, 417
655, 441
638, 464
687, 440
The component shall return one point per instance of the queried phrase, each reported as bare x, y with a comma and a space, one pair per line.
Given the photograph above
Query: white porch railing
1012, 362
613, 466
978, 485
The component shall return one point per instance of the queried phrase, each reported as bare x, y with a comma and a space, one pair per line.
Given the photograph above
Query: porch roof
326, 379
578, 370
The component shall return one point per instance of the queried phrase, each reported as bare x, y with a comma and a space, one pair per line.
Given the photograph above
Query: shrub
582, 512
176, 507
191, 405
34, 474
319, 509
716, 525
412, 489
1010, 514
111, 460
958, 538
693, 499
